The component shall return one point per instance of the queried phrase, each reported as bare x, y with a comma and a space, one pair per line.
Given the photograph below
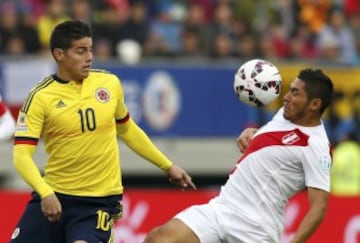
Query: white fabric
282, 159
7, 125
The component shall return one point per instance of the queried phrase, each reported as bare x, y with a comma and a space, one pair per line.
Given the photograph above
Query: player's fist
245, 137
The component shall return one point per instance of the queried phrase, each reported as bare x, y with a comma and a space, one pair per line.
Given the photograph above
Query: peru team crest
102, 95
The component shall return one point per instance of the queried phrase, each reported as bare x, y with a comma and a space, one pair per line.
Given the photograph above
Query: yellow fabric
345, 172
25, 165
77, 123
139, 142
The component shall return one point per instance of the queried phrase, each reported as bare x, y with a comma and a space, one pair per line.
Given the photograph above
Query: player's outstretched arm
245, 137
136, 139
318, 204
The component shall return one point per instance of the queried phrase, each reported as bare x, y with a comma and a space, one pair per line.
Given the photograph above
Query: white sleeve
7, 126
317, 166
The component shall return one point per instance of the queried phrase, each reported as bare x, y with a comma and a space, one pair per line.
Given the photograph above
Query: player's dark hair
65, 33
317, 85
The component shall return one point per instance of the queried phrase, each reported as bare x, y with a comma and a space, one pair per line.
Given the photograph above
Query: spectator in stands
313, 13
55, 13
222, 35
165, 29
109, 18
354, 22
356, 107
345, 172
336, 34
247, 47
7, 123
196, 28
302, 45
340, 120
17, 35
190, 43
136, 27
222, 47
81, 10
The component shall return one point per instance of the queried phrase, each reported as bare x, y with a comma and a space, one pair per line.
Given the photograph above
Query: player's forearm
134, 137
28, 170
310, 223
7, 126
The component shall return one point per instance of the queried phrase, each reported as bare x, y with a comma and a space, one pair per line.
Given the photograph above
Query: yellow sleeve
136, 139
28, 170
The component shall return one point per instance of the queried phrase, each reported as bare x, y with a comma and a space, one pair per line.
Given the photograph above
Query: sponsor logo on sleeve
325, 162
21, 123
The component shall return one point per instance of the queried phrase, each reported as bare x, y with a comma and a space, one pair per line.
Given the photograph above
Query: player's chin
84, 73
286, 115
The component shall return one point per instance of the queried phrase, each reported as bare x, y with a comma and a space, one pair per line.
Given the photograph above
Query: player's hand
178, 176
51, 208
244, 138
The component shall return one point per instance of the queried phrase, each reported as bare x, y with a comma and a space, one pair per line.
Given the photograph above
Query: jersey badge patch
21, 122
290, 138
102, 95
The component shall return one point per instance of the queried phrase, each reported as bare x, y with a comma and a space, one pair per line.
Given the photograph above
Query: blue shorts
83, 218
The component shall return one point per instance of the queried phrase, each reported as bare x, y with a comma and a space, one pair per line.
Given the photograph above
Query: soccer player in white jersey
288, 154
7, 123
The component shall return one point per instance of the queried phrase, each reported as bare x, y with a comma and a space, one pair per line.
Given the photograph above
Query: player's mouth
87, 68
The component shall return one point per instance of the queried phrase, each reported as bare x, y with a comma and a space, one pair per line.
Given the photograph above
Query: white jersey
281, 160
7, 123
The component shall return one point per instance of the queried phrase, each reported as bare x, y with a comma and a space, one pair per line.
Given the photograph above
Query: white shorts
214, 222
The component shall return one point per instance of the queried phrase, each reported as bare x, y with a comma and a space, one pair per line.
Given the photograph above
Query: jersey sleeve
317, 164
30, 120
121, 113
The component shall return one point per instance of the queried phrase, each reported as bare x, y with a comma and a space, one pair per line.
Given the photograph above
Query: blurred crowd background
292, 30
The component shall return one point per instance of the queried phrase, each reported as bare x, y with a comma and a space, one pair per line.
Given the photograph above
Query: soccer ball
257, 82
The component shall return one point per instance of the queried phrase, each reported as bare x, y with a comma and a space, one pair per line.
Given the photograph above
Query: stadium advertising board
147, 208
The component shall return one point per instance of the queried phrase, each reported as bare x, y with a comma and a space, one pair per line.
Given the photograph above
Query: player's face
77, 59
296, 103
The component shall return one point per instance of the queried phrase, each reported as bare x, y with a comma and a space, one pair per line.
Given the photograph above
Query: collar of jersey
60, 80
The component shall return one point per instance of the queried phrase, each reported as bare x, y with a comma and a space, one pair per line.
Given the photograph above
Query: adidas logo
60, 104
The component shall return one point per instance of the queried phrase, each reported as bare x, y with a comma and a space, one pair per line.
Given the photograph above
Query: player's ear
58, 54
315, 104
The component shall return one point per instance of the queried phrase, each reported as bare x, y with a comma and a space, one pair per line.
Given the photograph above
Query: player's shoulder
42, 85
102, 73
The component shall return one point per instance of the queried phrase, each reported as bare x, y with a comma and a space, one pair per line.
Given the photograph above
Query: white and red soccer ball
257, 82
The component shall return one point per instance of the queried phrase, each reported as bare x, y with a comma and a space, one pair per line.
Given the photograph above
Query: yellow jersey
78, 125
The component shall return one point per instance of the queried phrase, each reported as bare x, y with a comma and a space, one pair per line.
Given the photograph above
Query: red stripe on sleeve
26, 140
2, 108
123, 120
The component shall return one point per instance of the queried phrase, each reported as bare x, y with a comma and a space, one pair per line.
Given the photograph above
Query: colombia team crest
102, 95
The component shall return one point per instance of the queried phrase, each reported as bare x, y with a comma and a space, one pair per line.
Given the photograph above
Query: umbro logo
60, 104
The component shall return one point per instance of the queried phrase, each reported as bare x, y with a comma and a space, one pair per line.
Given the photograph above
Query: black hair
317, 85
66, 32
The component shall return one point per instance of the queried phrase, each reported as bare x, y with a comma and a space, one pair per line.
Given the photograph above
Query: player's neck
308, 122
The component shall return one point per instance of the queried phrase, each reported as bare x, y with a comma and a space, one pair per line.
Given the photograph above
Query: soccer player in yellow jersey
79, 112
